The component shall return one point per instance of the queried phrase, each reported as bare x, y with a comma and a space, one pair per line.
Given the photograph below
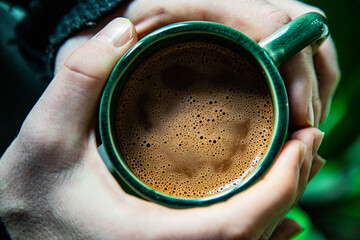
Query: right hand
54, 184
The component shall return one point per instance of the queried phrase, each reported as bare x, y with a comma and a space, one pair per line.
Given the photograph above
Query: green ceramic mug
263, 57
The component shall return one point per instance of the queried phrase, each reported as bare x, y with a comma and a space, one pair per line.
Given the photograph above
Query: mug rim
179, 32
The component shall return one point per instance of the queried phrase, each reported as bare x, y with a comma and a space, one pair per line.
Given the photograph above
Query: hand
310, 80
54, 184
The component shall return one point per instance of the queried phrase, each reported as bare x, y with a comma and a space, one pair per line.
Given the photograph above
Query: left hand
310, 79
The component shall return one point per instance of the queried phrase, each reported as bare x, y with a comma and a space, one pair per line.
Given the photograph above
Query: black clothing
48, 23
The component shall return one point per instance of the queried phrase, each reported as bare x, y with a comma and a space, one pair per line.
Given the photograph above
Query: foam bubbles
194, 120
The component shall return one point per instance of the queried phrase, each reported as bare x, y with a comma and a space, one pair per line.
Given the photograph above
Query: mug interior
189, 32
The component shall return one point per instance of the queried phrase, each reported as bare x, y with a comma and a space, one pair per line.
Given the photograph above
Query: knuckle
307, 52
316, 9
335, 76
272, 19
202, 13
160, 16
327, 58
88, 65
317, 102
75, 74
148, 17
239, 232
299, 8
275, 16
288, 192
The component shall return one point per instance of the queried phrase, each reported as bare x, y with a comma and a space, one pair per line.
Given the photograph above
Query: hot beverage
194, 119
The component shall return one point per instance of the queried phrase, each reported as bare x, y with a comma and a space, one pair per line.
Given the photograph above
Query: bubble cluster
194, 120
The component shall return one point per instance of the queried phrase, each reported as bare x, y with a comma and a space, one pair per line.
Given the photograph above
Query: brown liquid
194, 120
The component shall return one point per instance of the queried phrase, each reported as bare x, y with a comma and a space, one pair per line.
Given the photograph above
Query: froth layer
194, 120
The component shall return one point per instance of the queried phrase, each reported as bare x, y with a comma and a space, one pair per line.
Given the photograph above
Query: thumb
71, 99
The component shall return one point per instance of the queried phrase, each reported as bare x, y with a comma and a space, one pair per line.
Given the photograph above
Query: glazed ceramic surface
308, 29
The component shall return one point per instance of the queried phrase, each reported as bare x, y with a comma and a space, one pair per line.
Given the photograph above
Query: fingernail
317, 142
288, 229
296, 233
322, 161
118, 32
310, 114
317, 164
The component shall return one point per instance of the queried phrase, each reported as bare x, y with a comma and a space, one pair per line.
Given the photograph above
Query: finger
282, 178
328, 74
313, 138
79, 39
267, 201
294, 7
325, 60
287, 229
85, 72
317, 164
299, 82
257, 19
316, 101
284, 183
71, 100
69, 47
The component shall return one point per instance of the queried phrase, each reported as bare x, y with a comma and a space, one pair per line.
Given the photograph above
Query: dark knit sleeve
49, 23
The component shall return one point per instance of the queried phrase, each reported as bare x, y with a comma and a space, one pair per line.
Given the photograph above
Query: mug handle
309, 28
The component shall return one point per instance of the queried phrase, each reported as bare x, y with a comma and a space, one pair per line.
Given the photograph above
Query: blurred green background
330, 207
332, 199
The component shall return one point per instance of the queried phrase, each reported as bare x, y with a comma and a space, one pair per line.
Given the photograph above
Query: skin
310, 85
54, 184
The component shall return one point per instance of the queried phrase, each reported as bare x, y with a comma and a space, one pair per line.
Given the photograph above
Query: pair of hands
54, 184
